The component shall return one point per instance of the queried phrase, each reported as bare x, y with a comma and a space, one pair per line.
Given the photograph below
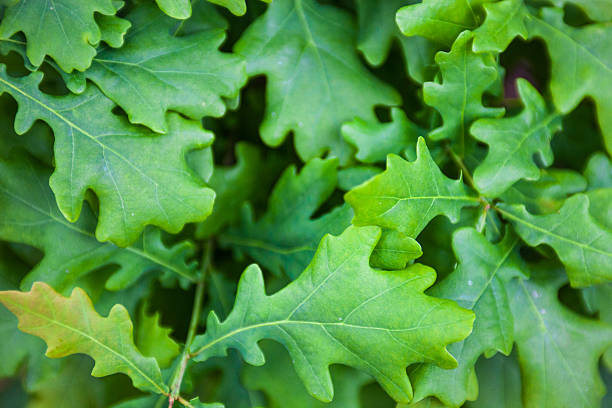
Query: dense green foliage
306, 203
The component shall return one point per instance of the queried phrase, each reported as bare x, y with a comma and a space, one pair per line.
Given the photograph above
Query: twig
177, 377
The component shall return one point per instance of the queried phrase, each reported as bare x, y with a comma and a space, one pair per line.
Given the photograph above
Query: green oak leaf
315, 81
233, 186
588, 74
237, 7
598, 299
514, 141
582, 244
351, 177
66, 383
285, 238
500, 383
374, 140
439, 20
179, 9
596, 10
504, 21
394, 250
287, 390
377, 31
598, 171
466, 76
139, 177
11, 271
31, 216
558, 349
63, 29
153, 340
546, 194
157, 71
478, 283
338, 311
108, 340
407, 195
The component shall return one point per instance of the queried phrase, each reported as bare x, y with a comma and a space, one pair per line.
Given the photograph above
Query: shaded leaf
546, 194
558, 349
377, 31
315, 79
588, 50
153, 340
285, 238
287, 390
337, 311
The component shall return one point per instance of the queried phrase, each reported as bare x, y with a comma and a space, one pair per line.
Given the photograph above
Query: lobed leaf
285, 238
514, 142
139, 177
479, 283
315, 79
556, 346
108, 340
157, 71
63, 29
465, 78
31, 216
582, 244
341, 311
408, 195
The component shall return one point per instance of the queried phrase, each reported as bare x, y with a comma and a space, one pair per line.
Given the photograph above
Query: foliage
306, 203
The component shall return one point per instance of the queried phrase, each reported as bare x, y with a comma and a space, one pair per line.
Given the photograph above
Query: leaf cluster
305, 203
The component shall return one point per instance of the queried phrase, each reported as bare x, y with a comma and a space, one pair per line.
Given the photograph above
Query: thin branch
177, 377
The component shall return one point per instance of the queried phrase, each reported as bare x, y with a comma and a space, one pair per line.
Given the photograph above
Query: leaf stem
177, 377
464, 170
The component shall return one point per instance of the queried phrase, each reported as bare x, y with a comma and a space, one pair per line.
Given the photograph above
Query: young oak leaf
465, 77
31, 216
439, 20
70, 325
478, 283
374, 140
236, 7
156, 71
179, 9
139, 177
505, 20
407, 195
153, 340
377, 30
513, 143
315, 79
341, 311
285, 238
582, 244
63, 29
558, 349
